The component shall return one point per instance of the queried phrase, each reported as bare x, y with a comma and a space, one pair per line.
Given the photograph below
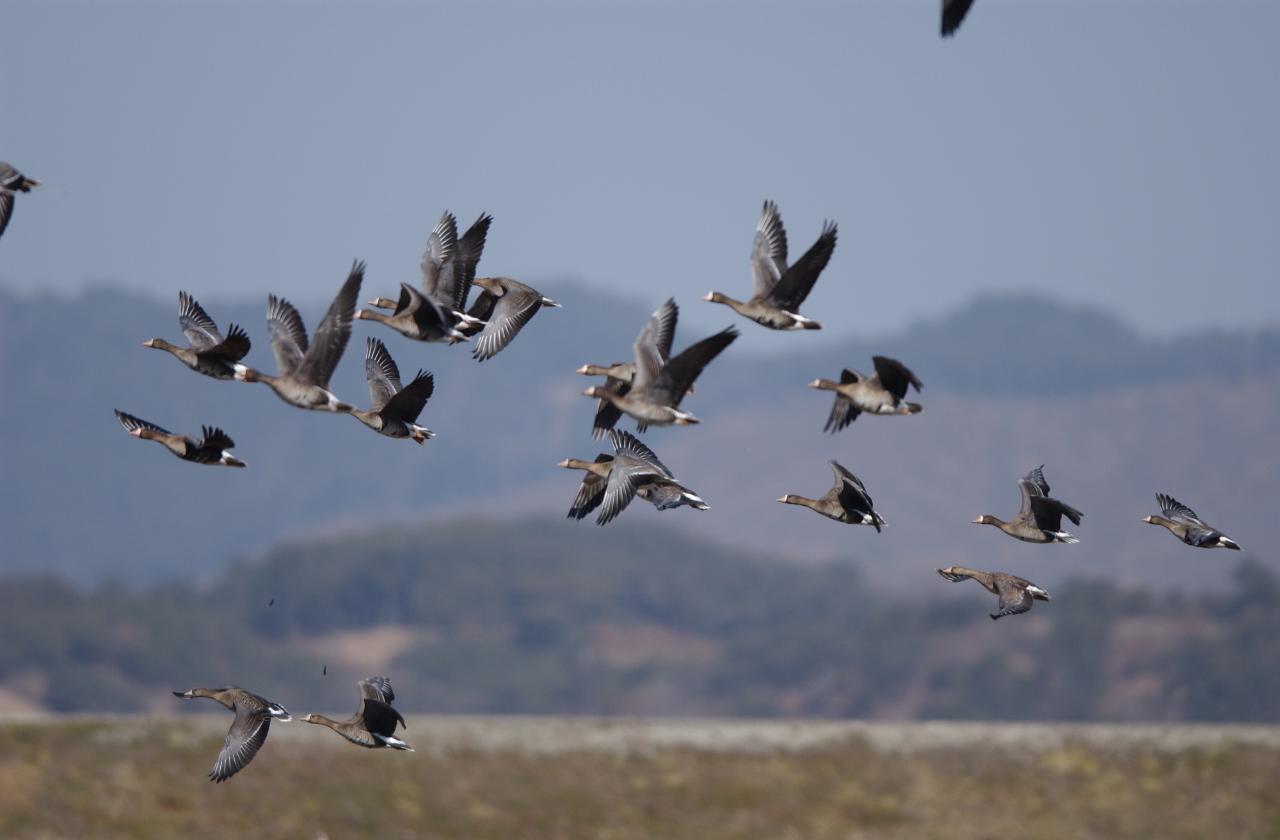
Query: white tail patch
695, 501
1063, 537
394, 742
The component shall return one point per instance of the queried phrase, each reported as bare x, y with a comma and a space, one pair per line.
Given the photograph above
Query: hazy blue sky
1122, 153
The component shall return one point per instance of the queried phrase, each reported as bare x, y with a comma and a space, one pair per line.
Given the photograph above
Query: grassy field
564, 778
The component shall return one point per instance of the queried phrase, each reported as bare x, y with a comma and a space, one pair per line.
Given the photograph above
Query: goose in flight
611, 481
448, 267
1183, 523
393, 410
248, 731
372, 725
780, 288
208, 352
1017, 595
1039, 520
211, 449
503, 306
847, 501
305, 369
658, 387
656, 336
884, 392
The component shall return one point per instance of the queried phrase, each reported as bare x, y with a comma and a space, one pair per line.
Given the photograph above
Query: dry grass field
618, 780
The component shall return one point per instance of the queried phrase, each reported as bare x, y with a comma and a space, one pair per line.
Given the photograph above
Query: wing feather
381, 373
333, 333
197, 326
247, 734
438, 261
134, 423
797, 282
895, 377
288, 335
768, 250
512, 311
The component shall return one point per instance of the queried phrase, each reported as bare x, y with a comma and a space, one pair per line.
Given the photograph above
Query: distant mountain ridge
1010, 381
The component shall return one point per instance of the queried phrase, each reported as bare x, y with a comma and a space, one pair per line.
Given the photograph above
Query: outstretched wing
6, 210
660, 329
510, 313
288, 335
380, 718
197, 326
247, 734
440, 260
215, 438
1177, 511
627, 474
953, 12
134, 423
677, 376
648, 354
895, 376
590, 491
1036, 478
796, 283
233, 348
1027, 490
768, 250
852, 495
381, 373
608, 414
1048, 513
377, 688
408, 403
625, 443
334, 331
470, 248
1014, 599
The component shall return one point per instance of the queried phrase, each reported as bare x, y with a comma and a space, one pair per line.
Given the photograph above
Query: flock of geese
650, 388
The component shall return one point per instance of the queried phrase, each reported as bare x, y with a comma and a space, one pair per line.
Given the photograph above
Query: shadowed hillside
541, 617
1010, 382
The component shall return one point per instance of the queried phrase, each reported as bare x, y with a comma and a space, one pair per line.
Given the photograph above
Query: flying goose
884, 392
1183, 523
1016, 594
632, 470
248, 731
847, 501
658, 387
953, 12
780, 288
209, 353
303, 380
392, 409
374, 724
11, 182
448, 267
503, 306
212, 449
1039, 520
656, 335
